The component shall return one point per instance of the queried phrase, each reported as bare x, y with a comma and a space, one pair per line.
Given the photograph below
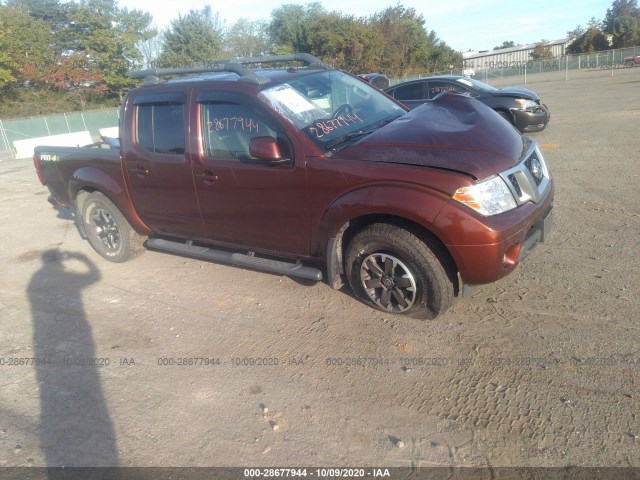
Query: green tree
442, 55
108, 37
622, 23
540, 51
505, 44
343, 40
403, 40
24, 46
6, 75
619, 8
67, 53
193, 39
54, 14
576, 32
247, 38
591, 40
626, 31
289, 27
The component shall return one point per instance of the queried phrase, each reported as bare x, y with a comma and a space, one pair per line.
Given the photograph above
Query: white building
510, 57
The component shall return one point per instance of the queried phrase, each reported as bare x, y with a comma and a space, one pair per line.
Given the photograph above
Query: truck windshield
331, 107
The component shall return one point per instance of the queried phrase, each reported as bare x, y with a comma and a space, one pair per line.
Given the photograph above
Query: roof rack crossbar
307, 58
239, 66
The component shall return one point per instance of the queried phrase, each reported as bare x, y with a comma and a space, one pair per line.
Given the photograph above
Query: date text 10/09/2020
317, 472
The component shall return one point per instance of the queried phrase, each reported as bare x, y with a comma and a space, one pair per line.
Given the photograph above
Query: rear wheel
391, 269
110, 234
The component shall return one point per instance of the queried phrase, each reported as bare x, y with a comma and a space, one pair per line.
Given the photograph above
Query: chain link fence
44, 126
485, 71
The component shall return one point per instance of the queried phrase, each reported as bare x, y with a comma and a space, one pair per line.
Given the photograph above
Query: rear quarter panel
69, 170
59, 165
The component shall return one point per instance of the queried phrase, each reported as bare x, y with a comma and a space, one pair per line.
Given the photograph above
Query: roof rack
239, 66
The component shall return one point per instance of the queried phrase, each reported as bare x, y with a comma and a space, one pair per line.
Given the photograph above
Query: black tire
506, 116
391, 269
110, 234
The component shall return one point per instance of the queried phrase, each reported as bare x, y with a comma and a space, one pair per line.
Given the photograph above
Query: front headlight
488, 197
524, 103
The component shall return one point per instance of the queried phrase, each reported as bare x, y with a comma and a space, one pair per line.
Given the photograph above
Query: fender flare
395, 201
92, 179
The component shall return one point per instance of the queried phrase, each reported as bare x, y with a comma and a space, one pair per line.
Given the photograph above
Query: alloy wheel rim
388, 282
106, 229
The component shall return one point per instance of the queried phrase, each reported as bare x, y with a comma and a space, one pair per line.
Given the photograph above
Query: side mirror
379, 80
265, 148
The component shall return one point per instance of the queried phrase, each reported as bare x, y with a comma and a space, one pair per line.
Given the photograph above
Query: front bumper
534, 120
494, 245
538, 233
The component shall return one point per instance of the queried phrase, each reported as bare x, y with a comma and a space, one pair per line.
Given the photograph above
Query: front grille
516, 185
534, 165
529, 179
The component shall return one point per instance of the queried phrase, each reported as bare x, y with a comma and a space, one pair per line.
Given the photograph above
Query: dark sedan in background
520, 106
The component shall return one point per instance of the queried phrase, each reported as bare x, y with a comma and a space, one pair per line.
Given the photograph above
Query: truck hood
452, 132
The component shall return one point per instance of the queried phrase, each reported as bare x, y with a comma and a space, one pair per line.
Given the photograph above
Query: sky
463, 24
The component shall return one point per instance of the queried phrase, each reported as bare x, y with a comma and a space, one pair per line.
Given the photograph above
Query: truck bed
60, 165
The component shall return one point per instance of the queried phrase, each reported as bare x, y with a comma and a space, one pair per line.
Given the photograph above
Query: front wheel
506, 116
391, 269
108, 231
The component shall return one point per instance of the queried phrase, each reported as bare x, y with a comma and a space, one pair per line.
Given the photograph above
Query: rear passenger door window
160, 125
413, 91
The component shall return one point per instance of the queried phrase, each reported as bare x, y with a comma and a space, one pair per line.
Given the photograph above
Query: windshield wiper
360, 133
388, 121
348, 138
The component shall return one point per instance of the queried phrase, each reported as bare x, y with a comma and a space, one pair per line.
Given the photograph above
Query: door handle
140, 171
208, 177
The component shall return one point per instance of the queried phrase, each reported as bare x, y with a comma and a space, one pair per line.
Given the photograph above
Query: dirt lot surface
539, 369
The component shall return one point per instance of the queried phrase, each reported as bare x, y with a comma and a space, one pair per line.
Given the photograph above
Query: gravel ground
538, 369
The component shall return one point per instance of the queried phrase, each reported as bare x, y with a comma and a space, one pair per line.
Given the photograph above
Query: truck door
245, 201
158, 171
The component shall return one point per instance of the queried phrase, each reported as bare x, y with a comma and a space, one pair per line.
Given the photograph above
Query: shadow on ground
75, 425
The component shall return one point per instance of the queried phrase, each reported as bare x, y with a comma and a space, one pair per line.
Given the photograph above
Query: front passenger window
227, 128
438, 87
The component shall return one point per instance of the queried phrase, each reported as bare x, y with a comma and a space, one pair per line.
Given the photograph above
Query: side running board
294, 269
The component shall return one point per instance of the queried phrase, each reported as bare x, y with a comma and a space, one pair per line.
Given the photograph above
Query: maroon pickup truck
309, 171
632, 61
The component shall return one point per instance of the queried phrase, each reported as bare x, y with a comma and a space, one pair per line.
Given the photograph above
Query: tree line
56, 56
620, 28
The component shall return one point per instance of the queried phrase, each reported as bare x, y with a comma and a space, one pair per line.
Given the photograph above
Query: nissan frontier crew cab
309, 171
